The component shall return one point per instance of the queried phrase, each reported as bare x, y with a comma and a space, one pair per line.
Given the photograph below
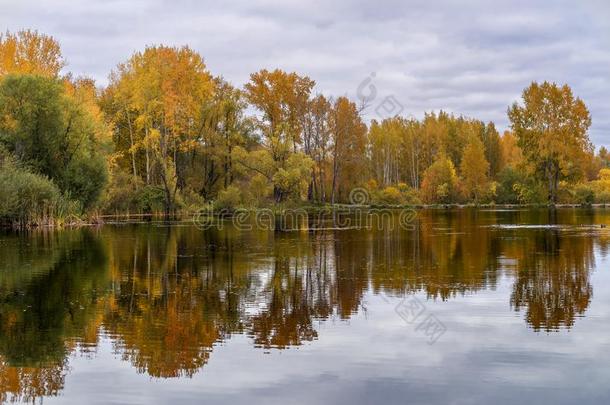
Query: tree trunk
131, 148
147, 160
334, 183
552, 172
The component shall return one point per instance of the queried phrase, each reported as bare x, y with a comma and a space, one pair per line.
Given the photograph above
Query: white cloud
470, 57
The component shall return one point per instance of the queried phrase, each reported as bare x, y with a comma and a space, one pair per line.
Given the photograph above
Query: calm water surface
468, 307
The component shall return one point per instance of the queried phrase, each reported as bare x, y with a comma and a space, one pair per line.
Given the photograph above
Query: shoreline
129, 218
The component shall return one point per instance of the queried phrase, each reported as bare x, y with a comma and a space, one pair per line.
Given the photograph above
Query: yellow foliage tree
160, 92
440, 182
551, 129
474, 169
29, 52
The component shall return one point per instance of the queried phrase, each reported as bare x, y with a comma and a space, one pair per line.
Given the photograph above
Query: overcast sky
468, 57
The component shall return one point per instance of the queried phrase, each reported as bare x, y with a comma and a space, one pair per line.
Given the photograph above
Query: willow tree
551, 128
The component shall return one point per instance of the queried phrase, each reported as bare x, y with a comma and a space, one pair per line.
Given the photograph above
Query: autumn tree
385, 139
348, 138
510, 152
283, 99
412, 152
493, 149
604, 156
317, 145
474, 169
551, 128
400, 149
29, 52
224, 128
440, 182
159, 95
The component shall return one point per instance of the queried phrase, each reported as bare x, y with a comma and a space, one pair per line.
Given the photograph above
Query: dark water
467, 307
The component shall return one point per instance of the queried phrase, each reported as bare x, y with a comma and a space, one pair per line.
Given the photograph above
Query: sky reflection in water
156, 314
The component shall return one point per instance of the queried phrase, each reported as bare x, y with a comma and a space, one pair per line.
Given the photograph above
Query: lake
465, 306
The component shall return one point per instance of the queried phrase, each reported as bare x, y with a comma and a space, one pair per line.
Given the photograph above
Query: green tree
51, 133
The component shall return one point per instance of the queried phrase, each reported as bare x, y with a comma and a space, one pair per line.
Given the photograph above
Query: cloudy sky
467, 57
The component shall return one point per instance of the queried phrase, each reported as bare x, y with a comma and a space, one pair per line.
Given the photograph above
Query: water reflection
51, 287
165, 295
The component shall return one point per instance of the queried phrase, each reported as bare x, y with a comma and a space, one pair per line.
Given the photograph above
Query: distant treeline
167, 136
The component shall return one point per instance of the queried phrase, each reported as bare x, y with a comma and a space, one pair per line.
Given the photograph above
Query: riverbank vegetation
166, 135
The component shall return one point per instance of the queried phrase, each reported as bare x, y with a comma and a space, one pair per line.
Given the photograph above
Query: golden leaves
29, 52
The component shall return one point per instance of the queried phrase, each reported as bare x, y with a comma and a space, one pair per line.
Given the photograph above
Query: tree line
166, 135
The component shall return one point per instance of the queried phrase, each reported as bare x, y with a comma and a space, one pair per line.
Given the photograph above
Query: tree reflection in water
166, 295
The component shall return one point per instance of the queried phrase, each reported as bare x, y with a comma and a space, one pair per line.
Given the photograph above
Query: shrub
603, 197
530, 192
505, 190
228, 199
410, 197
149, 199
126, 194
120, 194
440, 183
258, 191
85, 179
26, 198
601, 187
190, 199
583, 194
401, 194
391, 195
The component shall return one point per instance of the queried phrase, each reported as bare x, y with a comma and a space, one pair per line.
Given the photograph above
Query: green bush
530, 192
85, 179
228, 199
603, 197
27, 198
190, 200
120, 195
258, 191
125, 194
583, 194
149, 199
505, 190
